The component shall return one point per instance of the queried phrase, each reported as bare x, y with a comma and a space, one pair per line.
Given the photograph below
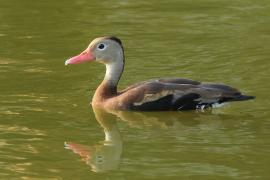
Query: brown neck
104, 91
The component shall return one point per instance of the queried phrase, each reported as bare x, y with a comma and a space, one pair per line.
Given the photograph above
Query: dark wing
178, 94
163, 80
178, 81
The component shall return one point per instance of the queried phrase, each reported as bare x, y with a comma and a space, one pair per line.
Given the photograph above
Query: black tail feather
236, 98
242, 98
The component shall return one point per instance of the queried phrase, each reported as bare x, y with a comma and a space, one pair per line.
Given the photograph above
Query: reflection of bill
105, 155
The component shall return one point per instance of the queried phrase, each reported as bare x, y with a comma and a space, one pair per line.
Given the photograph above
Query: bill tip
67, 62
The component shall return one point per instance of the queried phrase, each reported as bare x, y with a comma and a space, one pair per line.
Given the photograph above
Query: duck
161, 94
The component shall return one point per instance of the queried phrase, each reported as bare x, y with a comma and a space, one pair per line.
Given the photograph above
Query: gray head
106, 50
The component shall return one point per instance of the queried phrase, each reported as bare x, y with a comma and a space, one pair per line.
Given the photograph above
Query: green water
44, 104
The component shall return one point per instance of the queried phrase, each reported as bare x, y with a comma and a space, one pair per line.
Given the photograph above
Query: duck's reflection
106, 155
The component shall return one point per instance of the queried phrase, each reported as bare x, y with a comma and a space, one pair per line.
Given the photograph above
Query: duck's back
177, 94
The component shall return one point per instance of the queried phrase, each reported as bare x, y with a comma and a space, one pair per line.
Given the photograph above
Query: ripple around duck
19, 66
22, 130
17, 148
16, 104
6, 61
37, 70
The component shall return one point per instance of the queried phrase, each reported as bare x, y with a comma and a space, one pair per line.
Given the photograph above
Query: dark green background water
43, 103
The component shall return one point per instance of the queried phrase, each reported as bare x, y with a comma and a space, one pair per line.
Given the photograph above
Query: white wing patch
154, 97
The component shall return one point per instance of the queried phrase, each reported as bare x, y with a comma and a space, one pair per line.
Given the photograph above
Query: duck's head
107, 50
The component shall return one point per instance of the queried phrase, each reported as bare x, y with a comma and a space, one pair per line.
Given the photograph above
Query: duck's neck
113, 135
113, 73
108, 87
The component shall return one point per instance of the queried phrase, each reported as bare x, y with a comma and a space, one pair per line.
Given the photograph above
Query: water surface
44, 104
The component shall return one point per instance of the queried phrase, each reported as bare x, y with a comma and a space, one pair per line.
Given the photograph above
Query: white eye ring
101, 46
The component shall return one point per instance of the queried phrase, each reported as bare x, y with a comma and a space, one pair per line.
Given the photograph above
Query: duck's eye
101, 46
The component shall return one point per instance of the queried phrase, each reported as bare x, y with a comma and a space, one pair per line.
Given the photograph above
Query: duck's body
152, 95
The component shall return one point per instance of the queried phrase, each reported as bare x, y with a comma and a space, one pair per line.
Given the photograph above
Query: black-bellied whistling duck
152, 95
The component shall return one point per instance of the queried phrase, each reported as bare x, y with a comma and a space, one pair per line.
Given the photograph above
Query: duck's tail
242, 98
